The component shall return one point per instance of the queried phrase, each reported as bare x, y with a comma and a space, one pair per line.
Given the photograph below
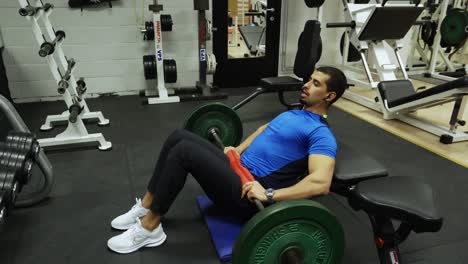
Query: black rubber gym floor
92, 187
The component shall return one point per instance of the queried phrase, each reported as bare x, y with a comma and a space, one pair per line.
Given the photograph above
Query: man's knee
178, 134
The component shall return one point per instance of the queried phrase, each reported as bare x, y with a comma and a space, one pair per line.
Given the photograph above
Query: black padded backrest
394, 90
309, 49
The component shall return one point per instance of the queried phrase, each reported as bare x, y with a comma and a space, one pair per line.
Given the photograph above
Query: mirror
247, 21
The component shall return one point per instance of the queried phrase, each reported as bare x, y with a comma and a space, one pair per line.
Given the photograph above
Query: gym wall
106, 44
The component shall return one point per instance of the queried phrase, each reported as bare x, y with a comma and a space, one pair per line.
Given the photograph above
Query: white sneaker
135, 238
127, 220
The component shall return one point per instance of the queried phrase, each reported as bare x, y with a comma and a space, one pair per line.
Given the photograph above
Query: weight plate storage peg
216, 116
297, 231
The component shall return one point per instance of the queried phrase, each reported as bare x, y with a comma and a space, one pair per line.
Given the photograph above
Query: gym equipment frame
364, 31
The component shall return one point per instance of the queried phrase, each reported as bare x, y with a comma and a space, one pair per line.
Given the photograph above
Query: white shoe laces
136, 206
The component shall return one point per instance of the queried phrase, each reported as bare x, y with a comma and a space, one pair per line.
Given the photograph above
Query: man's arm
244, 145
318, 182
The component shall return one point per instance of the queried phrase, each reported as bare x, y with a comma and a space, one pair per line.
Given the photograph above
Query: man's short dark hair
336, 82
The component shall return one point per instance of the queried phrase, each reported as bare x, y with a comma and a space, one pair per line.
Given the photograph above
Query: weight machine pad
224, 228
401, 91
283, 83
353, 167
378, 26
401, 198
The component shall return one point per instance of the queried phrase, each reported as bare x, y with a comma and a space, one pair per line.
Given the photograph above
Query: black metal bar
456, 110
202, 48
249, 98
351, 24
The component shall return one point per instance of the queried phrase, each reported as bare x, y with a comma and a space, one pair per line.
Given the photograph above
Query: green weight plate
297, 231
218, 116
454, 27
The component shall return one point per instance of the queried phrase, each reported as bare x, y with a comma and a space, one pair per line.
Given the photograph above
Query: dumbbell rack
76, 132
42, 161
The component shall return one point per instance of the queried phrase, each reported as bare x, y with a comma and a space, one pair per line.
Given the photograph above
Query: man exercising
292, 157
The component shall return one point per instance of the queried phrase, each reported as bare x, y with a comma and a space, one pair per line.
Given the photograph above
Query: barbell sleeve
351, 24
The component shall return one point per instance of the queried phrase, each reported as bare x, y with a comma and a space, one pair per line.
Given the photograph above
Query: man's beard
305, 102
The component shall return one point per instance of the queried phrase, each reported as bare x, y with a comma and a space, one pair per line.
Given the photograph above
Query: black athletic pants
183, 153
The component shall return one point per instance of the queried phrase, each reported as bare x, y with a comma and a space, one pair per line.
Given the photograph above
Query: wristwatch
269, 194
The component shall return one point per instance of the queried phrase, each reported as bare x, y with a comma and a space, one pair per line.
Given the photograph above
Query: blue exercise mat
224, 228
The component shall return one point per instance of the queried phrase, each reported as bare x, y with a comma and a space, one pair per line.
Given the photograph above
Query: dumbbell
32, 10
81, 87
48, 48
20, 162
75, 110
3, 208
23, 142
9, 185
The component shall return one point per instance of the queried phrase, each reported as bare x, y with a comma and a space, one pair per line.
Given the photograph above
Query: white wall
106, 44
1, 39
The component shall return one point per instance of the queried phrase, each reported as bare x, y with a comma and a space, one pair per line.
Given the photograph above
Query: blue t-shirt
278, 157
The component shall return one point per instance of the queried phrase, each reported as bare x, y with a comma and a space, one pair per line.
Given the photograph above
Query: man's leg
140, 209
211, 170
177, 136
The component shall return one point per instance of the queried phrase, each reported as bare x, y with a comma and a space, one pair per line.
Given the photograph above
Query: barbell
287, 232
